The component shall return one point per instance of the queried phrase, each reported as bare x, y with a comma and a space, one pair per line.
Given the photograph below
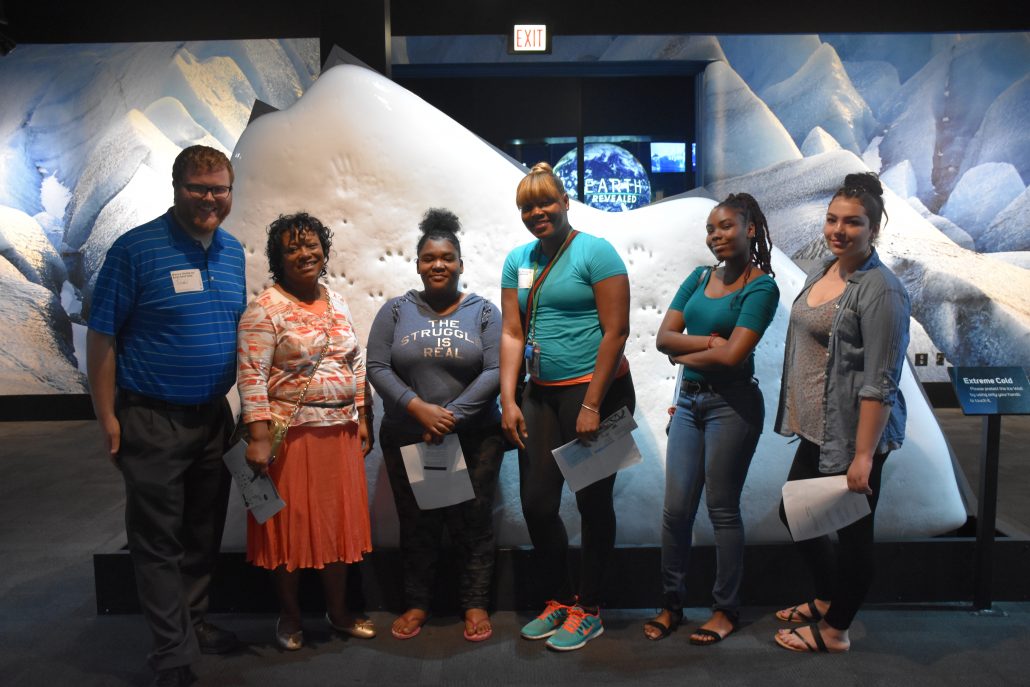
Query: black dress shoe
214, 640
179, 676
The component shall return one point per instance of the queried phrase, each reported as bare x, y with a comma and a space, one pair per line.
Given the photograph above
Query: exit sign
529, 38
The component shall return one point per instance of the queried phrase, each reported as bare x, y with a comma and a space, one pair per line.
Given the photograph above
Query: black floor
62, 502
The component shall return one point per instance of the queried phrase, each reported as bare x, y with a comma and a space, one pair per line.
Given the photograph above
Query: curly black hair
296, 224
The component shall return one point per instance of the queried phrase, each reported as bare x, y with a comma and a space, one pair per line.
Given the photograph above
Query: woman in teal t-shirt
570, 339
711, 328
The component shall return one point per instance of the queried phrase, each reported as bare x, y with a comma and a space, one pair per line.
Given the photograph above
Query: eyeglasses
199, 190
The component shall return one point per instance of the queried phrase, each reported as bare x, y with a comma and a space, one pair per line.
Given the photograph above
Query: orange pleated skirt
320, 473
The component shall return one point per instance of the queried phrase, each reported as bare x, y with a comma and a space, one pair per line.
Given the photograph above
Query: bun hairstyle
865, 187
439, 224
761, 243
541, 183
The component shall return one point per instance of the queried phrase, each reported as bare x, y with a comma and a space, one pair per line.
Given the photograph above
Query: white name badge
186, 281
525, 278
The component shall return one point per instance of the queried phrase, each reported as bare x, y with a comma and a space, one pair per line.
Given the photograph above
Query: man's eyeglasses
199, 190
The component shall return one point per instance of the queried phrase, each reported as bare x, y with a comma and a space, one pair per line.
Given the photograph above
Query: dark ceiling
74, 21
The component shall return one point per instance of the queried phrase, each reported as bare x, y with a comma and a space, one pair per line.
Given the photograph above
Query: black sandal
796, 615
818, 648
711, 636
675, 618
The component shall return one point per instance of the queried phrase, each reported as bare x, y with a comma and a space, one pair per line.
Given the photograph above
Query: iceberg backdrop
88, 134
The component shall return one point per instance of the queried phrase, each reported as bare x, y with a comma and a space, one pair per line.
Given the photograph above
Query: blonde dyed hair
541, 183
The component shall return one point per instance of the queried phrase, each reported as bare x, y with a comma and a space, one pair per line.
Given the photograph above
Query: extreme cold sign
992, 390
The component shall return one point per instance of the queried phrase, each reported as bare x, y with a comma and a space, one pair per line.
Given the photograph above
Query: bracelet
592, 410
712, 338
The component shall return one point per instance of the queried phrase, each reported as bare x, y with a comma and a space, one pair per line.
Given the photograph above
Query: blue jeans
711, 441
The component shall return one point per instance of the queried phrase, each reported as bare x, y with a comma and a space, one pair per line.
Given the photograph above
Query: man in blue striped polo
161, 355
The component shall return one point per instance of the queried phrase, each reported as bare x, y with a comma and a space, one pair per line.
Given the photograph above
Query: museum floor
62, 502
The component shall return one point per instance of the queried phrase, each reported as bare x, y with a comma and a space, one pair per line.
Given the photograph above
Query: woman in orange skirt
298, 350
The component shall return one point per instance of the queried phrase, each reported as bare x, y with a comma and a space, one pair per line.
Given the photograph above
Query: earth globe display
613, 180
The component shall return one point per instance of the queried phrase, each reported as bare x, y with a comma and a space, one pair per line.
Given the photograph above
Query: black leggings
550, 413
470, 524
842, 578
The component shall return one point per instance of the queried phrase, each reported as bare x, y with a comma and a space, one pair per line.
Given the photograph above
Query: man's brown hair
199, 159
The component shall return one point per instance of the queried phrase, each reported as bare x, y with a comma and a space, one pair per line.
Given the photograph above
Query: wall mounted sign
992, 390
529, 38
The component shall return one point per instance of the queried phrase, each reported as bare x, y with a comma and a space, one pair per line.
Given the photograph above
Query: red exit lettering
530, 38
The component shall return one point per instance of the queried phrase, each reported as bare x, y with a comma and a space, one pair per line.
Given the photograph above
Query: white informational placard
612, 450
437, 473
260, 496
815, 507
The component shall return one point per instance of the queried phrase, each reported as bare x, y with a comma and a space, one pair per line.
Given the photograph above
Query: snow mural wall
369, 158
942, 117
87, 135
944, 120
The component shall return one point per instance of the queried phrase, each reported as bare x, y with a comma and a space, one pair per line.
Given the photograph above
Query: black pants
469, 524
550, 413
176, 492
842, 577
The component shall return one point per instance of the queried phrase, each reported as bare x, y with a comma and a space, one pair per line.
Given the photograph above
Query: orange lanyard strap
532, 302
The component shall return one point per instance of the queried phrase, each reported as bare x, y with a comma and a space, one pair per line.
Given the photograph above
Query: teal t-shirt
566, 325
752, 307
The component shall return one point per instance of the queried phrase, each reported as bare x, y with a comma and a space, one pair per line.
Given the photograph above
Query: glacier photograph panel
88, 134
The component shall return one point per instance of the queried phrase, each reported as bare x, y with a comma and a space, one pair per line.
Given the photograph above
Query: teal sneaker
548, 622
578, 629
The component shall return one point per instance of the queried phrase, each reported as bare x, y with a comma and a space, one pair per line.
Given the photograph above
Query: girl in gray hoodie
433, 359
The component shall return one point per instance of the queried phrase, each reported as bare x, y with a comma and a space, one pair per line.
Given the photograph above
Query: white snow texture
369, 158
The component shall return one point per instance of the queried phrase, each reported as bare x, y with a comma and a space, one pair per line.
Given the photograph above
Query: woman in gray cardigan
845, 347
433, 358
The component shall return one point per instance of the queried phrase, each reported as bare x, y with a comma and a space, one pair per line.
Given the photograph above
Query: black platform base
931, 570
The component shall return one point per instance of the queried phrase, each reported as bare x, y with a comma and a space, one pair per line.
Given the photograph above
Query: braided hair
865, 187
439, 224
761, 243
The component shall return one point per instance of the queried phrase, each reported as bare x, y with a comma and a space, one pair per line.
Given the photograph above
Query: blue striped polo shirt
173, 307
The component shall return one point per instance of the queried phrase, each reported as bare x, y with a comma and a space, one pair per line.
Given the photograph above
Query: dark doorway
576, 121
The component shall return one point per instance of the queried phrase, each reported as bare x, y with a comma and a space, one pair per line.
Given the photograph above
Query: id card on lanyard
531, 353
532, 356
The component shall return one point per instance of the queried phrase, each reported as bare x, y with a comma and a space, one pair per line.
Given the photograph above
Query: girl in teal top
566, 323
711, 328
751, 307
574, 332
